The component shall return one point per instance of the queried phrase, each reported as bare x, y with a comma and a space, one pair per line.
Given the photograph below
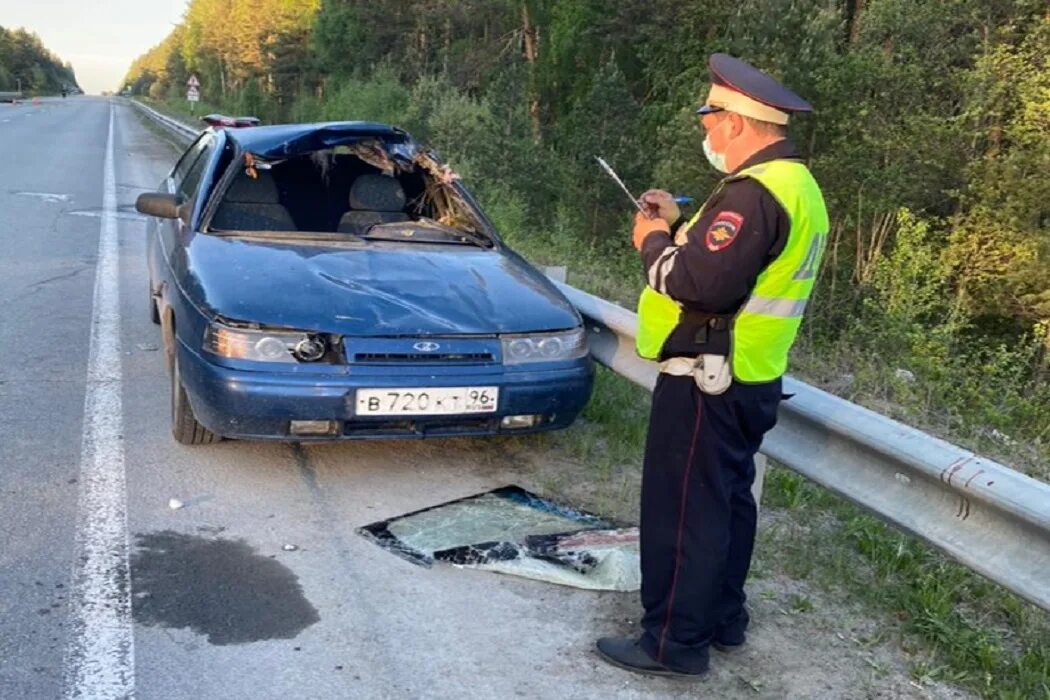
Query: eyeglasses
709, 109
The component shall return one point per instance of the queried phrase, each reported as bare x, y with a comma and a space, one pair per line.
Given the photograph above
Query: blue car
337, 281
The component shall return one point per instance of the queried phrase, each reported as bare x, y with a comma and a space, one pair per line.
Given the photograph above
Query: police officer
725, 296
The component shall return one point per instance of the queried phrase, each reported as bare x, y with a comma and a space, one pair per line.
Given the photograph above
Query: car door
186, 176
167, 261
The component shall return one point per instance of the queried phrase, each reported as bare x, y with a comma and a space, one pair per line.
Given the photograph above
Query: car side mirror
159, 204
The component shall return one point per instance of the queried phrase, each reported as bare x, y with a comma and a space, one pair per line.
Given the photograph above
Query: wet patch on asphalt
220, 588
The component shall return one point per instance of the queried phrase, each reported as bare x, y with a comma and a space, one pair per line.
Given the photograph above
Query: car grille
460, 358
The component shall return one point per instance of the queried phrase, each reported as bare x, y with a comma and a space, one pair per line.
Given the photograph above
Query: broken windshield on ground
354, 190
513, 531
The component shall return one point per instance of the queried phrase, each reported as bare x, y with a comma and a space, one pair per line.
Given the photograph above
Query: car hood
380, 289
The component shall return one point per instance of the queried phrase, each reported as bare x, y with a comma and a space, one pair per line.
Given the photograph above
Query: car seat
253, 204
374, 199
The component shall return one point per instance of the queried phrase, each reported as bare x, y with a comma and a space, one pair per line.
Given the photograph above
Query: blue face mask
717, 160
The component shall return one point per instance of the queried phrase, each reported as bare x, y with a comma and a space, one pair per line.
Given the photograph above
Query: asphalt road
220, 609
258, 586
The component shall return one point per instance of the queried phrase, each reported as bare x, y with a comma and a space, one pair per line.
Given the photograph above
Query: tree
25, 60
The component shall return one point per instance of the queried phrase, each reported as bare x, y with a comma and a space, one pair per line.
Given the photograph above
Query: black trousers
698, 515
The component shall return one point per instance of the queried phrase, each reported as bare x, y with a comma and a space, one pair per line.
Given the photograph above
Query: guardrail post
557, 273
761, 462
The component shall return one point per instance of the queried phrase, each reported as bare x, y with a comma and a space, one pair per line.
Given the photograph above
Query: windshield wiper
430, 226
470, 234
306, 236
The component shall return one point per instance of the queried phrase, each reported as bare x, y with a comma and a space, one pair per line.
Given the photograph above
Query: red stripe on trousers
681, 530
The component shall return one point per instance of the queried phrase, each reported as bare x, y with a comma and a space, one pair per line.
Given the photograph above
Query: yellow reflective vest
764, 329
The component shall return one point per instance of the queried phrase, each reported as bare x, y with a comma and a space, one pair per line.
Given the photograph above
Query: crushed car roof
286, 140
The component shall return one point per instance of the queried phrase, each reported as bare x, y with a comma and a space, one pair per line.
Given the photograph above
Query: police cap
737, 86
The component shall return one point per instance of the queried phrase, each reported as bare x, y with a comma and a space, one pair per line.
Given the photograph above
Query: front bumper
260, 405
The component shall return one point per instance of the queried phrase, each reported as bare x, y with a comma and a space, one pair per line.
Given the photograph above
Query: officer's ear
737, 124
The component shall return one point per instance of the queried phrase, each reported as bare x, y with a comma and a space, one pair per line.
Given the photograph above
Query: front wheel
184, 426
154, 310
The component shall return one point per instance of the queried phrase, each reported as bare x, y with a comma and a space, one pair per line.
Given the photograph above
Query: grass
965, 629
608, 439
182, 109
957, 626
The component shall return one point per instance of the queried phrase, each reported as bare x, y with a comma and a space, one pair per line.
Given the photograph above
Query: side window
189, 157
188, 187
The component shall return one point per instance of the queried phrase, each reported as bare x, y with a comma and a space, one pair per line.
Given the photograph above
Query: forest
25, 61
930, 138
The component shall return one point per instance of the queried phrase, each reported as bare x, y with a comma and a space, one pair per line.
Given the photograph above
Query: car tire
184, 426
154, 312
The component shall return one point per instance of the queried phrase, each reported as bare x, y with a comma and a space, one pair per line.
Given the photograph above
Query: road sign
193, 82
193, 94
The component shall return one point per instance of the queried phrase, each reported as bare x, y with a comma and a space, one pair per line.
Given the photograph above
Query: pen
679, 199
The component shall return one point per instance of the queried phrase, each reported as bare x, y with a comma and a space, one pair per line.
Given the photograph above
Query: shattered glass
513, 531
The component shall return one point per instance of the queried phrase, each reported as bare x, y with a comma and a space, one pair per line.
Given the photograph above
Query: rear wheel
184, 426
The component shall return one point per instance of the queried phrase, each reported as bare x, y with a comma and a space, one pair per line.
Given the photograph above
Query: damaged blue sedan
337, 281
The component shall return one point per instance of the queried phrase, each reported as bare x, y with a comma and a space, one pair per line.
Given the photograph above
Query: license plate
427, 402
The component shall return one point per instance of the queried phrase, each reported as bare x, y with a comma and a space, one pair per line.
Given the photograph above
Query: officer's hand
643, 226
661, 203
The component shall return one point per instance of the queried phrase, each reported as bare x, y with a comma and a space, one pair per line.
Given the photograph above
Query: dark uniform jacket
742, 230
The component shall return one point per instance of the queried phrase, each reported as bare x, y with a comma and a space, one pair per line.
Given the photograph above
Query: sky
99, 37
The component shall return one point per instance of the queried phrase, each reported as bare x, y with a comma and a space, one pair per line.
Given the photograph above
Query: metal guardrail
174, 125
986, 516
10, 96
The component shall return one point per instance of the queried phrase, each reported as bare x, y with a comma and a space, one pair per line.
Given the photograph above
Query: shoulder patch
723, 230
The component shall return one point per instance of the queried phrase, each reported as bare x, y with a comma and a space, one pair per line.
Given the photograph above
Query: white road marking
123, 216
100, 659
46, 196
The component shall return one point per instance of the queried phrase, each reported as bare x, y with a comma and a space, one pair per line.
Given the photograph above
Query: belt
680, 366
712, 373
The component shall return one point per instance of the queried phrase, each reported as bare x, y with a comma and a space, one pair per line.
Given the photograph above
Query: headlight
544, 347
264, 346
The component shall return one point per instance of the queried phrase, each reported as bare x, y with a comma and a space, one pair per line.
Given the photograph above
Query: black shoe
727, 648
729, 640
629, 655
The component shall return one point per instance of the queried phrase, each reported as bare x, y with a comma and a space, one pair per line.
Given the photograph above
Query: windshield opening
358, 190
